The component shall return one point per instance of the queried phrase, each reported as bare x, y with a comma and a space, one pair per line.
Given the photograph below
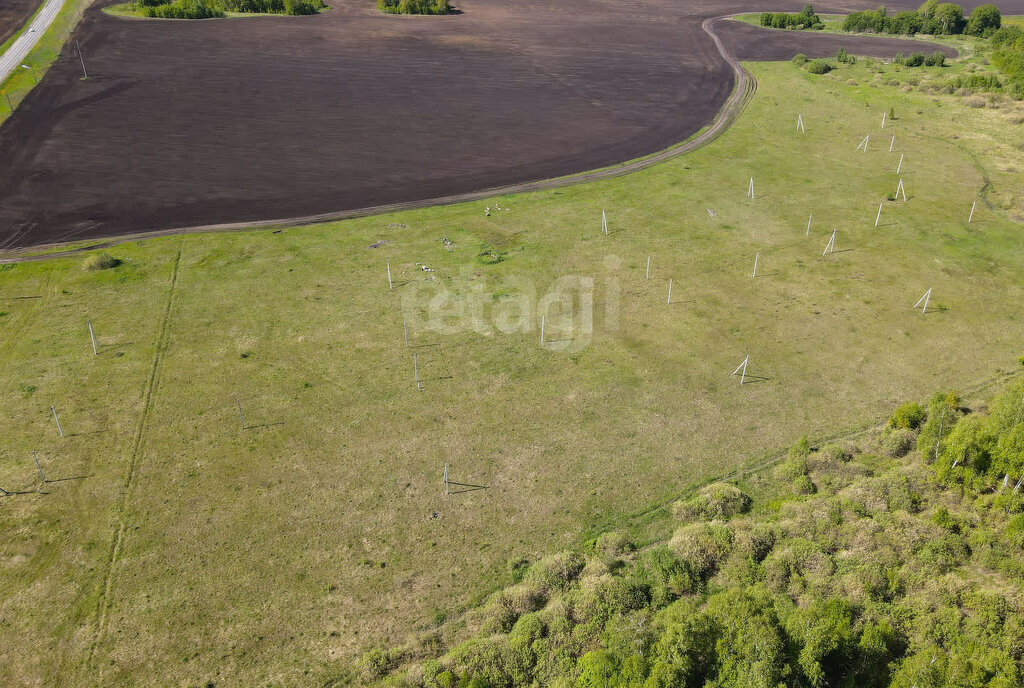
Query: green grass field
174, 547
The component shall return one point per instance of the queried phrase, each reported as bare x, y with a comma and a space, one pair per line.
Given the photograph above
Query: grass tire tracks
743, 91
110, 563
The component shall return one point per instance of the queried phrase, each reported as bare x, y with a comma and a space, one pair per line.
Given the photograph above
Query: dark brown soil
187, 123
14, 14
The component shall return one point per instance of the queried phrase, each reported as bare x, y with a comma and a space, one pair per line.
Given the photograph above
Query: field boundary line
107, 584
742, 93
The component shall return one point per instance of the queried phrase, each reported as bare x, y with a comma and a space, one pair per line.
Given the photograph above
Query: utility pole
85, 74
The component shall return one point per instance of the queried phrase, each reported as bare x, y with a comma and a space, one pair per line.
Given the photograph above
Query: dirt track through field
198, 124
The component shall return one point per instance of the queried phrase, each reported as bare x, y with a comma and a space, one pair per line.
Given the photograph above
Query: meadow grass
181, 548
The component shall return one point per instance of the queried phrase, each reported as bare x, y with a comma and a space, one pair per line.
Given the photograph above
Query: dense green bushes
716, 501
805, 19
208, 9
933, 17
895, 573
181, 9
936, 59
1008, 57
984, 21
100, 261
414, 6
818, 66
293, 7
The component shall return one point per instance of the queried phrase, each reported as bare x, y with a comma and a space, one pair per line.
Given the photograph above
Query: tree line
933, 17
805, 19
210, 9
414, 6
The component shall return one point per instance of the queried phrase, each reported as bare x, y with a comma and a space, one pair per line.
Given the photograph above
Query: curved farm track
199, 126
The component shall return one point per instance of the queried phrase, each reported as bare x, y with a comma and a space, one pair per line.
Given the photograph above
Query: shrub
793, 468
898, 442
614, 543
556, 570
667, 576
844, 57
799, 59
908, 416
945, 553
715, 501
945, 520
801, 448
803, 485
976, 82
702, 547
377, 662
1008, 35
819, 67
914, 60
833, 453
100, 261
936, 59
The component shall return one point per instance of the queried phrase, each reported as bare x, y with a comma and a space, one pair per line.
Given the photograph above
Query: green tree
751, 648
984, 21
943, 414
685, 653
968, 448
950, 17
825, 634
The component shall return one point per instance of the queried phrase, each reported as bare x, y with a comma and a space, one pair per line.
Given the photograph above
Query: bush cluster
932, 17
805, 19
100, 261
209, 9
414, 6
818, 66
936, 59
1008, 58
716, 501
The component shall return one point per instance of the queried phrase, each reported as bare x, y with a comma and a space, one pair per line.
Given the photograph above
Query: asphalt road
15, 55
